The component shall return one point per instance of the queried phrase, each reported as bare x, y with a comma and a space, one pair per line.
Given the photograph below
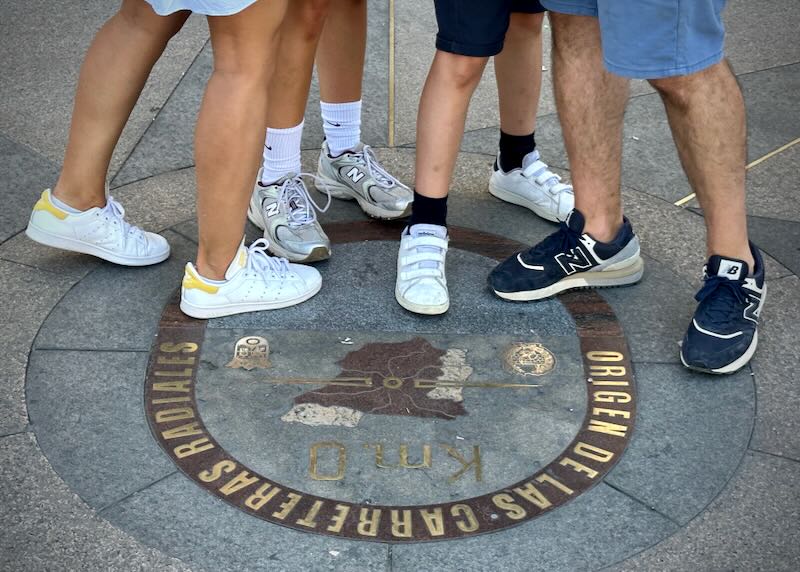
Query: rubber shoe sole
56, 241
419, 308
207, 312
600, 279
732, 367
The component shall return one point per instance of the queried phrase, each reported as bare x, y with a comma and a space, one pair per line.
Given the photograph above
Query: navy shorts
477, 27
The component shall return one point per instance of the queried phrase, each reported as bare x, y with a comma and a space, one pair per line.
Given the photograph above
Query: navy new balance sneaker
723, 334
569, 259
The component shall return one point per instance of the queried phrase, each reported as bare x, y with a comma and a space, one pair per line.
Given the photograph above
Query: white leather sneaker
533, 186
421, 281
254, 281
101, 232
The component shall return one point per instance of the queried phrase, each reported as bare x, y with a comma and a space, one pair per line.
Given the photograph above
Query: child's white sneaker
254, 281
421, 282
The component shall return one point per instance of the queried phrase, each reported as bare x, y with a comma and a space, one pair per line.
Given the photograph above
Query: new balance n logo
355, 175
573, 261
272, 209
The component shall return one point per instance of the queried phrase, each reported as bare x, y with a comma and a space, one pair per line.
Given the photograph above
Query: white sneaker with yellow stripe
101, 232
254, 281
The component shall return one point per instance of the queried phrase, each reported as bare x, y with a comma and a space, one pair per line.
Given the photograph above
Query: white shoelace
376, 170
114, 211
305, 209
540, 172
258, 261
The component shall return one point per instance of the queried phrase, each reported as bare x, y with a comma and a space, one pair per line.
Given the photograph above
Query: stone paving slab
47, 527
40, 72
779, 238
749, 527
86, 409
771, 190
777, 428
22, 315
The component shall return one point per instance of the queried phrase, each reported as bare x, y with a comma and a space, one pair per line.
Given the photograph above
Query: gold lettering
187, 372
607, 370
287, 506
176, 360
237, 483
379, 462
610, 383
597, 411
165, 400
368, 523
342, 510
434, 520
612, 396
401, 528
314, 459
262, 496
531, 494
310, 519
578, 467
505, 502
592, 452
426, 458
604, 356
187, 430
607, 427
173, 386
196, 446
174, 414
470, 523
545, 478
475, 463
216, 471
183, 347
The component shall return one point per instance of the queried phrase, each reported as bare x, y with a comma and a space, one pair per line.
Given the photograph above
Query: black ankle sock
513, 149
428, 211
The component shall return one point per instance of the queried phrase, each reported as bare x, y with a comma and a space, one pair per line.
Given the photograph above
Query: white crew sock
64, 206
342, 125
281, 153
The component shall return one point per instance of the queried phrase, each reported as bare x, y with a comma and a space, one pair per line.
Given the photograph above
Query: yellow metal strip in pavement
391, 72
758, 161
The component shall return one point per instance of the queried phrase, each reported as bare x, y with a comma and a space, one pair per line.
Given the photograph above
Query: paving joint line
160, 110
92, 350
179, 233
776, 455
136, 492
27, 430
644, 504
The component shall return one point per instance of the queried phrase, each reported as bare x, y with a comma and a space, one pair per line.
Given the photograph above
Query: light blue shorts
651, 39
207, 7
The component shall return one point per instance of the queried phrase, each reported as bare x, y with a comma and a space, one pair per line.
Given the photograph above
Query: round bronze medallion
530, 359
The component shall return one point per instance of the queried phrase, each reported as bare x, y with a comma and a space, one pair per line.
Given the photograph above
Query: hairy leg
707, 117
340, 56
112, 76
519, 74
440, 123
229, 138
591, 106
300, 34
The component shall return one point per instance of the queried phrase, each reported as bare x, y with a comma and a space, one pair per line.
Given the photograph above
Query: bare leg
291, 81
340, 57
591, 105
440, 122
113, 74
227, 147
519, 74
706, 114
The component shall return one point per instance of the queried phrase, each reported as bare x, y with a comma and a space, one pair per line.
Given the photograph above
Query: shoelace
376, 170
541, 173
116, 212
306, 208
721, 295
563, 240
259, 261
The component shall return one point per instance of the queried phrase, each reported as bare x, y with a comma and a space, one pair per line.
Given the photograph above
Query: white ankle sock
342, 125
64, 206
281, 153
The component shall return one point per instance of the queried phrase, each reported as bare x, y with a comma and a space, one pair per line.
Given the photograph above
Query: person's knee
139, 15
461, 72
522, 24
312, 17
677, 90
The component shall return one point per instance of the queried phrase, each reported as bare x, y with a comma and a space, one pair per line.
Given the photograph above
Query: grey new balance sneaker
287, 214
358, 175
